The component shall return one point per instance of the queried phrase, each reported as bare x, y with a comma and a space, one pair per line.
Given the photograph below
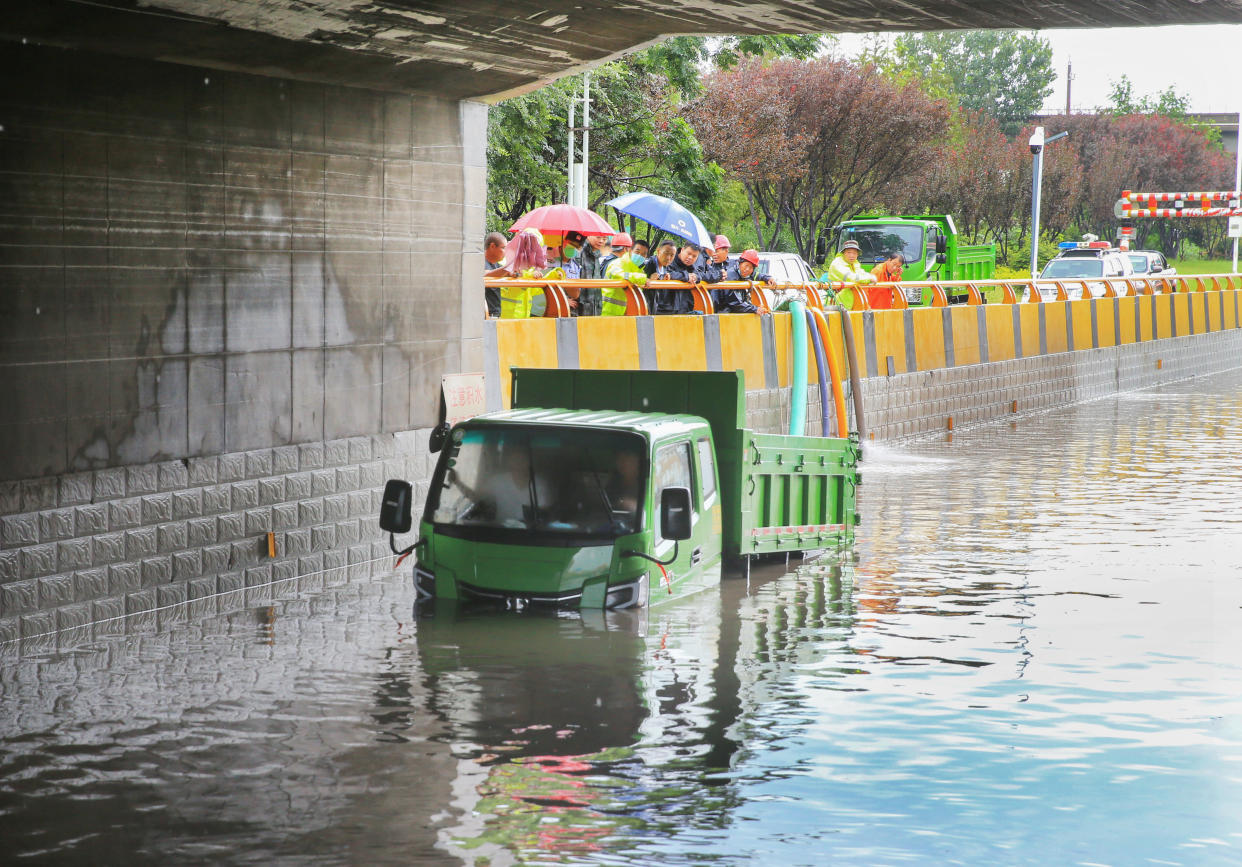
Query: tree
638, 138
814, 142
680, 60
1004, 73
1168, 103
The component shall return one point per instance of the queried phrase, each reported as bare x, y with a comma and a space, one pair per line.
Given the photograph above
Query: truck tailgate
797, 493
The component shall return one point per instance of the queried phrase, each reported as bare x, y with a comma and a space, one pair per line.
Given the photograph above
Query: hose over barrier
851, 355
821, 368
834, 372
797, 404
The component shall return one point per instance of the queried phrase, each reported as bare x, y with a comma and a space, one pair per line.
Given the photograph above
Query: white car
783, 268
1150, 262
1083, 262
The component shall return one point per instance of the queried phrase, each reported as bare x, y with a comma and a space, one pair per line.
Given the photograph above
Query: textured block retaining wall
95, 546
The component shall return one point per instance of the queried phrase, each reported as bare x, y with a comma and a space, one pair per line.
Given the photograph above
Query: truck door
674, 468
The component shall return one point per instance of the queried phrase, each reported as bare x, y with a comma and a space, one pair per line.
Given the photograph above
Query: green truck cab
613, 489
931, 246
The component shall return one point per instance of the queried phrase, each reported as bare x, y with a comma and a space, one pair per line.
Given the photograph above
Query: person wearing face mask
627, 265
563, 262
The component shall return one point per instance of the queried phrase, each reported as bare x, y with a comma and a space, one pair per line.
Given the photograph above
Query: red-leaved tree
815, 142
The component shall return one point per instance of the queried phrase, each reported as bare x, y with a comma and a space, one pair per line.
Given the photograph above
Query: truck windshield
1061, 269
877, 242
523, 484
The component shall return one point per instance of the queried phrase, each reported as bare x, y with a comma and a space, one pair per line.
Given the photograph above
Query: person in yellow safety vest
524, 258
627, 266
845, 269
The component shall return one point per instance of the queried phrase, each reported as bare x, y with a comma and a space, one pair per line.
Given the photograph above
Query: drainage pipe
851, 354
821, 367
834, 372
797, 405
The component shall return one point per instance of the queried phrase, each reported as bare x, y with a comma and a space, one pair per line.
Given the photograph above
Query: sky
1198, 61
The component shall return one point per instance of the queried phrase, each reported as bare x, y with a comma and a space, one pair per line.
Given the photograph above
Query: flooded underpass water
1031, 658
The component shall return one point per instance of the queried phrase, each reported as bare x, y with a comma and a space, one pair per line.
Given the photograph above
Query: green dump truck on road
611, 489
931, 246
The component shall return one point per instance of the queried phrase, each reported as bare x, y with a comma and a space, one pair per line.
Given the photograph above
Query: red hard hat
622, 239
751, 256
722, 241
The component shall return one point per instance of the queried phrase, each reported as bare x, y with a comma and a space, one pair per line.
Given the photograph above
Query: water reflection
1031, 658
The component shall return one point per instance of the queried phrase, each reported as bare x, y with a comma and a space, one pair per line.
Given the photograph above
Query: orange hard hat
622, 239
722, 241
751, 256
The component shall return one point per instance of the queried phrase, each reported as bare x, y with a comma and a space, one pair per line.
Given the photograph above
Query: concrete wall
226, 301
196, 263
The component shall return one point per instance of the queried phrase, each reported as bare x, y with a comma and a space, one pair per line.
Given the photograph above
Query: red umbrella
558, 219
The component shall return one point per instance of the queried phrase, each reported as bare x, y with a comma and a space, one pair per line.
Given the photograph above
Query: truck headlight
424, 583
631, 594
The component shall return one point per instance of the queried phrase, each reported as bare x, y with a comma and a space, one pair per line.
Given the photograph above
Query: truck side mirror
941, 258
394, 516
941, 247
675, 514
1156, 268
439, 434
821, 249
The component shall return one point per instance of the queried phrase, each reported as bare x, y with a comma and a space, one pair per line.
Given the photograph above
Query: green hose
797, 406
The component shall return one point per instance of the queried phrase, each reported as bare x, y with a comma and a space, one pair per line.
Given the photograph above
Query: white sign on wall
1235, 227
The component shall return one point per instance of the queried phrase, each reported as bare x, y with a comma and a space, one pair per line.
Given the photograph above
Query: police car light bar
1084, 245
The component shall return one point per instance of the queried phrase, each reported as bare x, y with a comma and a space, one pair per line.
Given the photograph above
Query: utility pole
576, 178
1037, 144
1069, 82
1237, 184
569, 170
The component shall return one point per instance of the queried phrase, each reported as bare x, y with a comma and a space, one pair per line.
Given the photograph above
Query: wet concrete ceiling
487, 50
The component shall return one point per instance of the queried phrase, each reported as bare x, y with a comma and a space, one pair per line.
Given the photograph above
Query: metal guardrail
1011, 291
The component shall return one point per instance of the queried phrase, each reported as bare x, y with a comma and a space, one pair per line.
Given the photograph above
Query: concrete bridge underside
239, 247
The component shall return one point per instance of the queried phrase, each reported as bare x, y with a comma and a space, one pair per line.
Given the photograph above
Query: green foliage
1168, 103
682, 59
1003, 73
638, 139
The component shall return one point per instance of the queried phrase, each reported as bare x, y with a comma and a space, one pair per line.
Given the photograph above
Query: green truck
930, 245
612, 489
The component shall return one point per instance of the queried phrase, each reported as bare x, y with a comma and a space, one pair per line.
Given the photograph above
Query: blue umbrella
664, 214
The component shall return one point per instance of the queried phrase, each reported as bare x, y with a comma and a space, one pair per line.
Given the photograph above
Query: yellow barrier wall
607, 345
739, 335
965, 334
890, 339
1000, 332
928, 338
918, 335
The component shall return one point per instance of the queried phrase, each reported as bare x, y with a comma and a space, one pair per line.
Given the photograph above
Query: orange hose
834, 371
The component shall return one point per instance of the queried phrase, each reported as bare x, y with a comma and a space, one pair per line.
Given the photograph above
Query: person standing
888, 271
845, 269
681, 269
626, 265
738, 300
593, 267
493, 259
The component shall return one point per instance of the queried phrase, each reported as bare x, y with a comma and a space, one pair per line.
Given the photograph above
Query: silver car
1150, 262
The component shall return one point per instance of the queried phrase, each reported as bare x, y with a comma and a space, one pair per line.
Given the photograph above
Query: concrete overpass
239, 243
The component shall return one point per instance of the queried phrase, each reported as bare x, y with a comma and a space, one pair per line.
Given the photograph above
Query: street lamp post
1037, 143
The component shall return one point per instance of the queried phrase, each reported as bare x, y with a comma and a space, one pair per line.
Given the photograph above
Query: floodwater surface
1031, 657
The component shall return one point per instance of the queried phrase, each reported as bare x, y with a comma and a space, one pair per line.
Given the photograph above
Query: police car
1081, 261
